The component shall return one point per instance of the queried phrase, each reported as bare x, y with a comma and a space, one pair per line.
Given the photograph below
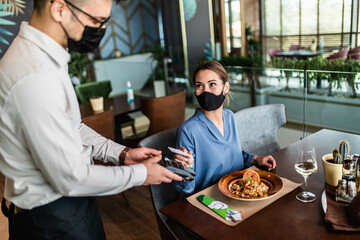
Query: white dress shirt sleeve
102, 149
56, 143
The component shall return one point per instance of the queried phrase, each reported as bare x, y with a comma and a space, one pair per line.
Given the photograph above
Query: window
299, 22
233, 24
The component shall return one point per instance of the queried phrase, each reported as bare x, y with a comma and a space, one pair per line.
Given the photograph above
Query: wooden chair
165, 193
164, 113
102, 123
258, 126
102, 88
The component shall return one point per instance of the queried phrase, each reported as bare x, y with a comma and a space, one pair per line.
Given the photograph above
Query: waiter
45, 150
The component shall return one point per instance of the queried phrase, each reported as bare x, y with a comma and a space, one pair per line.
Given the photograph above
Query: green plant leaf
6, 22
2, 6
4, 14
16, 7
3, 40
6, 32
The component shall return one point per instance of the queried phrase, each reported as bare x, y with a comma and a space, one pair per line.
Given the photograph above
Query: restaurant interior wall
10, 21
133, 28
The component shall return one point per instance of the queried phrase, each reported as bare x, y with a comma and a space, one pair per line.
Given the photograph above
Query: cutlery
230, 213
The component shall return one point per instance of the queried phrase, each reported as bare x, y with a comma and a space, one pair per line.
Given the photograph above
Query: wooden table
286, 218
120, 106
119, 103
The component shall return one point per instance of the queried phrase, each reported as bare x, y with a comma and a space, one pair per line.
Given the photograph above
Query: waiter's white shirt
45, 150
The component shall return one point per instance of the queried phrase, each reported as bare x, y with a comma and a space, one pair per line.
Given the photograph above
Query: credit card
174, 150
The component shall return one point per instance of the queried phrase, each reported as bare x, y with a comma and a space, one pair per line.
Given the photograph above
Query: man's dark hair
39, 4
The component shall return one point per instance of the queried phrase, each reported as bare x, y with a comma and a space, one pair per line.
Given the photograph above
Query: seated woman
210, 135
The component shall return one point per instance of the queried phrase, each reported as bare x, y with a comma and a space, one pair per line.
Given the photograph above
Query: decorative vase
97, 103
332, 171
313, 47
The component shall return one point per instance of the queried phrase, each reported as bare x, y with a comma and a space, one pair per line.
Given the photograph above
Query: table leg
118, 133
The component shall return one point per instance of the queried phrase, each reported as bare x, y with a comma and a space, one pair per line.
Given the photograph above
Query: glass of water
306, 165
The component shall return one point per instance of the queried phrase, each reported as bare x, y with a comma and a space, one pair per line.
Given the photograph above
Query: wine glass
306, 165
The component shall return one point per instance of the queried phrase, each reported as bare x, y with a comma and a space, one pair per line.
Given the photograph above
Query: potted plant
77, 66
249, 89
352, 65
333, 163
288, 67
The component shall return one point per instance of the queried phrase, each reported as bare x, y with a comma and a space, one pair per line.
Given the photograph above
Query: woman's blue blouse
214, 155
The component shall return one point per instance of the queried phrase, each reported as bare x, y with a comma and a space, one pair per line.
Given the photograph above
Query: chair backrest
257, 128
295, 47
354, 53
340, 54
273, 51
164, 112
102, 123
165, 193
85, 91
161, 141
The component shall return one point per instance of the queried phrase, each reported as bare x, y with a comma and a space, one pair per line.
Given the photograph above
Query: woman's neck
216, 117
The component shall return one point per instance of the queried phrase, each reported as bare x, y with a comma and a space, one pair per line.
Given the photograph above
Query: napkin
219, 207
342, 216
353, 211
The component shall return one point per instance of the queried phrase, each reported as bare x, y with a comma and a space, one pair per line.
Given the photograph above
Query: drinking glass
306, 165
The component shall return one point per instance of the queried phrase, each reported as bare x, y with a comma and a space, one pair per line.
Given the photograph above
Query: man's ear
58, 10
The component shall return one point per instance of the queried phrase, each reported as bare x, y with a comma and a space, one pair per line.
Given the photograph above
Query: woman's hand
267, 161
187, 161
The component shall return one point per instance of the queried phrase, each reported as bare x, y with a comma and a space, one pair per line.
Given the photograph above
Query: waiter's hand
157, 174
138, 155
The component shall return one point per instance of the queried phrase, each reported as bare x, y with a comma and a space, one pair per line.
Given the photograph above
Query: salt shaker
341, 188
351, 189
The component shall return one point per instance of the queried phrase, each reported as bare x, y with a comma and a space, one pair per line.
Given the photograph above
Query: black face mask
209, 101
91, 36
90, 40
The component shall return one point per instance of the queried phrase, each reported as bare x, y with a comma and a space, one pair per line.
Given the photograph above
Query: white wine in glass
306, 165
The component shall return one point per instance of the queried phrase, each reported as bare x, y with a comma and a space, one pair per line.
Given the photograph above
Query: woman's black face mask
210, 101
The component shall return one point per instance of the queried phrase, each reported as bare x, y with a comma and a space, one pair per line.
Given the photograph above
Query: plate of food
250, 185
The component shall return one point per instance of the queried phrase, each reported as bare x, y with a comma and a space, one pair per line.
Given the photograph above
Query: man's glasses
102, 23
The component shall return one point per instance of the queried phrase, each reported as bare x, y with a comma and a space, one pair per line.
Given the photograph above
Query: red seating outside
340, 54
273, 51
354, 53
295, 47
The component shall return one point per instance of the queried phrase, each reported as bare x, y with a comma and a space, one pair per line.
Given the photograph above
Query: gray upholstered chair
258, 126
165, 193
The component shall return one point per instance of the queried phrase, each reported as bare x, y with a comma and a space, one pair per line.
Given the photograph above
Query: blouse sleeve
183, 140
247, 158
